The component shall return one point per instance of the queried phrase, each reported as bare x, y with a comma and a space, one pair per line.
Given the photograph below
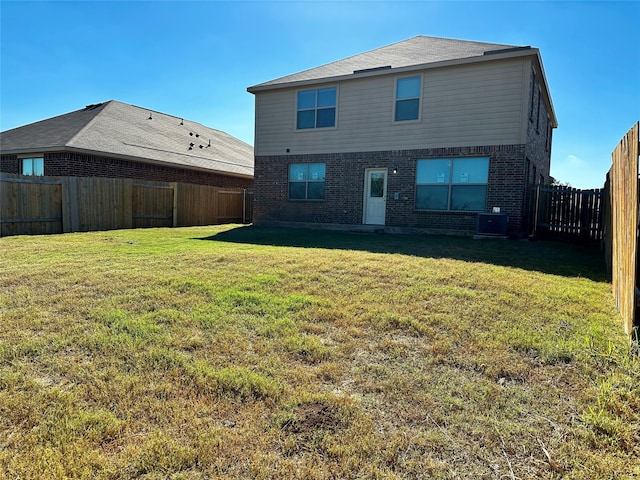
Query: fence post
70, 212
535, 221
216, 196
174, 185
244, 206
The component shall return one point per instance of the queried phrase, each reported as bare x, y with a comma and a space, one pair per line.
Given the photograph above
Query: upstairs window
407, 99
316, 108
306, 181
457, 184
33, 166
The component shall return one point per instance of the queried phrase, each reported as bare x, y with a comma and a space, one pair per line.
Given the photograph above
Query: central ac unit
492, 223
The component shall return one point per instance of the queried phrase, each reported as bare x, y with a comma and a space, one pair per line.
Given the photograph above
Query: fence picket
34, 205
622, 243
567, 214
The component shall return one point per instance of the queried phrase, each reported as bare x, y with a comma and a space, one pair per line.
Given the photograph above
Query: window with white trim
33, 166
316, 108
306, 181
407, 106
454, 184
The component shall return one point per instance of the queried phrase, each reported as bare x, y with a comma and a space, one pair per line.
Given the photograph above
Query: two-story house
421, 135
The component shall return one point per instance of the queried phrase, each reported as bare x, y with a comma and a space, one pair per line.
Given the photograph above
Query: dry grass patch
237, 352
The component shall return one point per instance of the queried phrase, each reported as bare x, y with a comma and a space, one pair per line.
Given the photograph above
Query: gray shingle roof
118, 129
418, 50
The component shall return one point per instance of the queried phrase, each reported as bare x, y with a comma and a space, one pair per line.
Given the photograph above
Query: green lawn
237, 352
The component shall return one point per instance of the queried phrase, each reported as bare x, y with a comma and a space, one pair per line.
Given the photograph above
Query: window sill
315, 129
457, 212
405, 122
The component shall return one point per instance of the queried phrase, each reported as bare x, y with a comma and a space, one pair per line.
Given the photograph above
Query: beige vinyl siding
477, 104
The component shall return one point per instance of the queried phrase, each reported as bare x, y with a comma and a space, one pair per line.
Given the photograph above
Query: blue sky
196, 59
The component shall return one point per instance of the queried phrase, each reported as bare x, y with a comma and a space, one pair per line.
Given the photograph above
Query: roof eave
32, 150
547, 95
124, 157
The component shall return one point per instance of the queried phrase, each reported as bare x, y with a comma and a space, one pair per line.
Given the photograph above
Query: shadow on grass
547, 257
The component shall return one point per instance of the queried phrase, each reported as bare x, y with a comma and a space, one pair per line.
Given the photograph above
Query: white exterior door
375, 196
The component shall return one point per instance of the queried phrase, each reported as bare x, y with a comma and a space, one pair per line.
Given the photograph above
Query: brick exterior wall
9, 164
539, 136
538, 146
68, 164
344, 188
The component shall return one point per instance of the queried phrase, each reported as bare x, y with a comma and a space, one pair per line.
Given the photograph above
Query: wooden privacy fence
621, 240
567, 214
40, 205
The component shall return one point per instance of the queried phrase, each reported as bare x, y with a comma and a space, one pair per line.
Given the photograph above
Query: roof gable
121, 130
52, 132
415, 51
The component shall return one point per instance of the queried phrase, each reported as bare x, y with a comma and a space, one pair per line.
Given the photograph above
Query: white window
407, 105
457, 184
306, 181
316, 108
33, 166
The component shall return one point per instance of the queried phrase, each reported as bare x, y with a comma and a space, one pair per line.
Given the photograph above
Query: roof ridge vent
374, 69
506, 50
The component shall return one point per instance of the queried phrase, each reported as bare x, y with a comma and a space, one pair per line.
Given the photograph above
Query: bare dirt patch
309, 417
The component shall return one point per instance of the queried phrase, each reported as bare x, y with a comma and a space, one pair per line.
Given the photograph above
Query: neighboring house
421, 134
114, 139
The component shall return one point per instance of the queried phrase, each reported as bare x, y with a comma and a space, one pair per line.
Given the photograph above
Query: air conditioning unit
492, 224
